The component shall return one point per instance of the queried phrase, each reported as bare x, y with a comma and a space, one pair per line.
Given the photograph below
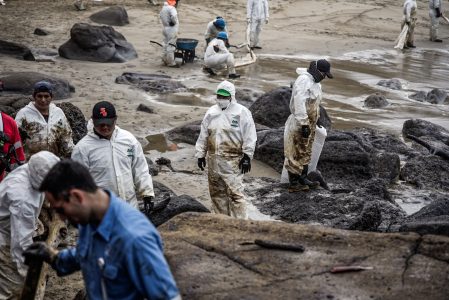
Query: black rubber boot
305, 181
295, 186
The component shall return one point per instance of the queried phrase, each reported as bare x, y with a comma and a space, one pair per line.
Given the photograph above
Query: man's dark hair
66, 175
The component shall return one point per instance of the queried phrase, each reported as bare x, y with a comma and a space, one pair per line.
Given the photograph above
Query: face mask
223, 103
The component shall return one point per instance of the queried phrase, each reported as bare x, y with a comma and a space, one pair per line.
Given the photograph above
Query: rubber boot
295, 186
305, 181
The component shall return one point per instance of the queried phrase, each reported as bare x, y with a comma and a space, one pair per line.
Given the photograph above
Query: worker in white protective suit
300, 127
217, 56
256, 14
213, 28
45, 124
435, 12
409, 19
20, 206
169, 19
228, 138
115, 158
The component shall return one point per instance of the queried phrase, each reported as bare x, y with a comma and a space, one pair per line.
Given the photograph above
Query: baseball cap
42, 86
223, 92
103, 113
325, 67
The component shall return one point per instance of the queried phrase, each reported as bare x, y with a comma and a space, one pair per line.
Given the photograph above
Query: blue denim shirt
131, 248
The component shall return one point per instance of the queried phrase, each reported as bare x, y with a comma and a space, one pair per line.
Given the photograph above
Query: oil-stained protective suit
256, 14
410, 11
169, 19
117, 164
435, 6
304, 108
54, 135
225, 136
20, 207
221, 59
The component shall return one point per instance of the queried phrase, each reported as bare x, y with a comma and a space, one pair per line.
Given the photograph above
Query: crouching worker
228, 137
20, 206
217, 56
118, 251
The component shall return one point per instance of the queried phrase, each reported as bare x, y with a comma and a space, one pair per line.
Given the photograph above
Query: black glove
201, 163
148, 204
438, 12
216, 49
171, 24
305, 131
40, 251
245, 164
408, 23
227, 44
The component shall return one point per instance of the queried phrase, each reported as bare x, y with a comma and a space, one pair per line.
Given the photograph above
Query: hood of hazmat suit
39, 165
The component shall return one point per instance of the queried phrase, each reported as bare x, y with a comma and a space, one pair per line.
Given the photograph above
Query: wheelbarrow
185, 49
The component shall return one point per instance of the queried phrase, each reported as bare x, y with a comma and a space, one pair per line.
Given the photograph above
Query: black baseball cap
324, 67
103, 113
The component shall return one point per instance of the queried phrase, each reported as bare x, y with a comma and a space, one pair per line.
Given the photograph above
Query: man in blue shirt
119, 251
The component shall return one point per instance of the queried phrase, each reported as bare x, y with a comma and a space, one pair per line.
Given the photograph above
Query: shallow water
356, 75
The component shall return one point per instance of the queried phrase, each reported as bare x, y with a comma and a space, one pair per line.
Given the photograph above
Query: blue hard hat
43, 86
220, 23
222, 35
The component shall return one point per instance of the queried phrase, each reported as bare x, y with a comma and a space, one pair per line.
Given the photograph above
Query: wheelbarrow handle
154, 42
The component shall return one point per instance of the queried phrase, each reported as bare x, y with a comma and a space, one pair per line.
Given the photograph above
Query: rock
40, 31
185, 134
436, 96
394, 84
376, 101
41, 55
324, 120
370, 207
247, 97
419, 128
176, 206
427, 172
153, 83
420, 96
13, 49
272, 108
145, 108
76, 120
431, 219
270, 148
114, 15
152, 167
23, 83
215, 257
11, 104
98, 44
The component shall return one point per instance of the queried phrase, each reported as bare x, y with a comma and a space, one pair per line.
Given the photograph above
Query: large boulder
369, 208
270, 148
76, 120
98, 44
23, 83
114, 16
247, 97
185, 134
419, 128
11, 104
431, 219
435, 96
272, 108
376, 101
430, 172
13, 49
153, 83
218, 257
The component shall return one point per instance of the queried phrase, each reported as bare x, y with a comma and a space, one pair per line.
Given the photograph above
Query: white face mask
223, 103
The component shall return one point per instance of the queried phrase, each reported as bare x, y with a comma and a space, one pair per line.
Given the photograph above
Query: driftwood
36, 280
279, 245
433, 150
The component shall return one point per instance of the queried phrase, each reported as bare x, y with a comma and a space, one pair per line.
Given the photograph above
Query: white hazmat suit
256, 14
117, 164
434, 20
212, 31
305, 110
410, 12
169, 19
54, 135
20, 206
225, 136
221, 59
